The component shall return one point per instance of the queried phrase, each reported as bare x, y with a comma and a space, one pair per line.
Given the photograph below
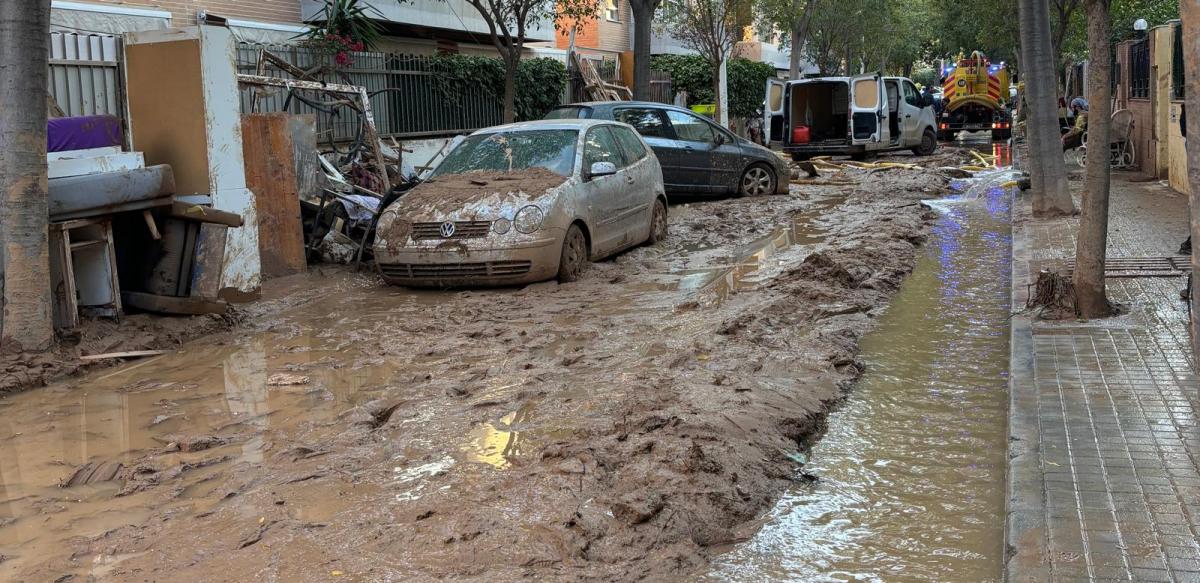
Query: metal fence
85, 74
1139, 69
660, 87
409, 95
1177, 82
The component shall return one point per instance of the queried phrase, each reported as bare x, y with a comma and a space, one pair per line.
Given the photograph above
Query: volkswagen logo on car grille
447, 229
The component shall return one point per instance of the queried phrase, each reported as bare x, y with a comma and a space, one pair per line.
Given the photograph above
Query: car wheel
658, 223
574, 255
928, 144
757, 181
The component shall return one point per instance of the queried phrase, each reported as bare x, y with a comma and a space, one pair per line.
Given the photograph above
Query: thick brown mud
619, 427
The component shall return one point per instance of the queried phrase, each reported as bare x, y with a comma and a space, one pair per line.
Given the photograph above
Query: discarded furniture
106, 193
357, 97
165, 268
184, 111
82, 133
83, 270
272, 174
70, 163
595, 88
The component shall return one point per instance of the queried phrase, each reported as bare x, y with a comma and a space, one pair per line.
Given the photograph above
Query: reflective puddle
912, 470
761, 260
202, 411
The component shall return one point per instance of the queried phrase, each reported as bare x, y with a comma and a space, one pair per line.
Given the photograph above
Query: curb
1025, 535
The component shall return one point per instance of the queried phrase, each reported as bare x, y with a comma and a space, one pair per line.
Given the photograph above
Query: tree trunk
800, 35
1051, 197
1032, 163
794, 58
512, 59
643, 13
1090, 299
27, 323
1189, 12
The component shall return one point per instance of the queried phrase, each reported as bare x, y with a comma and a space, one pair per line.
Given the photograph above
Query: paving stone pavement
1104, 435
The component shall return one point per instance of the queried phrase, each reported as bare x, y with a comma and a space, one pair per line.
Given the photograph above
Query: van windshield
553, 150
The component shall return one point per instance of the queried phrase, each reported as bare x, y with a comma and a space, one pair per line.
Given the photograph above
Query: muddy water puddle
761, 260
912, 469
205, 409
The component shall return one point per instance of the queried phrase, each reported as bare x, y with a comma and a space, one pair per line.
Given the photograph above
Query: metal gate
85, 74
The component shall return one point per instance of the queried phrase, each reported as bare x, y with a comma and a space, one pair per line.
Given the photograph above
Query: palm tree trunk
1051, 196
1090, 298
1033, 162
1189, 12
27, 323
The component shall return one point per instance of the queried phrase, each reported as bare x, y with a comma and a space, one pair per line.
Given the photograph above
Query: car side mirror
720, 139
599, 169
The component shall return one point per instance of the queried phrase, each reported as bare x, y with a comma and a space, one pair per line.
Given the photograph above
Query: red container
800, 135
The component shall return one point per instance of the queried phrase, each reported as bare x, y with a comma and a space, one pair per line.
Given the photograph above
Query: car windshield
506, 151
570, 112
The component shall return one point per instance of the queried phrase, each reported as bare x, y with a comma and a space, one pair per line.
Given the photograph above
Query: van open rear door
775, 126
866, 109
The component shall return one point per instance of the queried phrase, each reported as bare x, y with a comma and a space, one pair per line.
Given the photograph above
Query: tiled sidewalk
1104, 437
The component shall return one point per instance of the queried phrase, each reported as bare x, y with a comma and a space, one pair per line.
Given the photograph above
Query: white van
853, 116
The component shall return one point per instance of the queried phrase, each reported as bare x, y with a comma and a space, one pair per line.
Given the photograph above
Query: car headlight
391, 226
528, 219
386, 220
501, 225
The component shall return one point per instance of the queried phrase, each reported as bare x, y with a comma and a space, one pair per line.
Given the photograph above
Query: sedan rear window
570, 112
553, 150
648, 122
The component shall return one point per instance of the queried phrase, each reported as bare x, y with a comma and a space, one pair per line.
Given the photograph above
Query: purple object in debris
83, 133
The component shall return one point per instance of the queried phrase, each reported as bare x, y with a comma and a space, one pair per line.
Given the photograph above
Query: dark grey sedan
696, 155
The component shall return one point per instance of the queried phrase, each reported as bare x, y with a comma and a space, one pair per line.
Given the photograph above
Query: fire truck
974, 98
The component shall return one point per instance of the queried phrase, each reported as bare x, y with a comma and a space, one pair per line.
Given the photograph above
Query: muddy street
631, 424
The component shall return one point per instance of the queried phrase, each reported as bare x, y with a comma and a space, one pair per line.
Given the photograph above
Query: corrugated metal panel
85, 73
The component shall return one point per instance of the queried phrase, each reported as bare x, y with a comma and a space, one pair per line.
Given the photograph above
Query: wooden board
271, 175
166, 110
210, 255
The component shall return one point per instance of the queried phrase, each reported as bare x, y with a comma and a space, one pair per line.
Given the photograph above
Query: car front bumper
467, 264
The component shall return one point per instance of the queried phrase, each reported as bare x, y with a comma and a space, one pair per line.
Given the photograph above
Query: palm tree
1189, 13
1048, 172
1090, 298
27, 323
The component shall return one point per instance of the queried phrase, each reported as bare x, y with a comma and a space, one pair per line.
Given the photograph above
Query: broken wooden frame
596, 88
351, 91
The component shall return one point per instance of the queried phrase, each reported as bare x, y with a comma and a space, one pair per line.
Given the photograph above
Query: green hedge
691, 73
540, 81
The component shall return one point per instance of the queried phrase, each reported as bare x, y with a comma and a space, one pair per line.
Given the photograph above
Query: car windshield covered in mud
553, 150
525, 202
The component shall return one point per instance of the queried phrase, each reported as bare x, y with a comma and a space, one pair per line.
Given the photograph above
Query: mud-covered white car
525, 202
